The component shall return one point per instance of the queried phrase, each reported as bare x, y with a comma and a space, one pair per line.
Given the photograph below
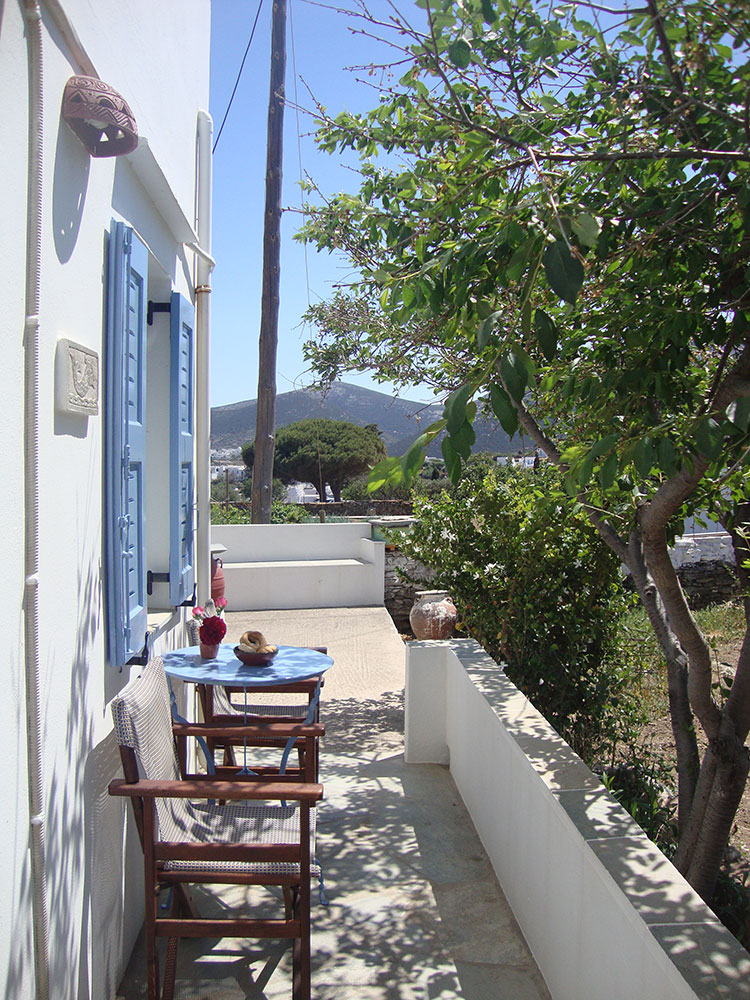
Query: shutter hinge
156, 307
152, 578
142, 658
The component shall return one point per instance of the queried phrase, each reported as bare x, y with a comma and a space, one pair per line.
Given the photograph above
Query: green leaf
644, 457
710, 438
608, 471
546, 334
503, 409
602, 244
667, 456
454, 411
739, 413
452, 460
600, 448
459, 53
564, 272
387, 471
514, 376
463, 439
488, 12
587, 229
413, 459
519, 259
485, 329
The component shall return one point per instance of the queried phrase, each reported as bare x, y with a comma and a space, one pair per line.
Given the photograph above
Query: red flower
212, 630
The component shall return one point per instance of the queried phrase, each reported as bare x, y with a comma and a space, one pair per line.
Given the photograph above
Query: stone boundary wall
360, 508
705, 566
399, 593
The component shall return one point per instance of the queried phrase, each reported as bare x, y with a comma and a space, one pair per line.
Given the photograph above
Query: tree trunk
723, 778
680, 714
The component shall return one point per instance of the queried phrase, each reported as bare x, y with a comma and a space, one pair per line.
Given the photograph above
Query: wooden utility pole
269, 310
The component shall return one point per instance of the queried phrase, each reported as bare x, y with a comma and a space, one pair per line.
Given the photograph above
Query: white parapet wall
709, 546
605, 914
284, 566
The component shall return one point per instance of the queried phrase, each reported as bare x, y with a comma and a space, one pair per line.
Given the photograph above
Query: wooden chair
221, 707
218, 829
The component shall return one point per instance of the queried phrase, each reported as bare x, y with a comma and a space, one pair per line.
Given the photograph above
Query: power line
299, 145
239, 74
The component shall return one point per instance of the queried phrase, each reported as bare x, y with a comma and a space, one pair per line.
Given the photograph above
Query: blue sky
323, 49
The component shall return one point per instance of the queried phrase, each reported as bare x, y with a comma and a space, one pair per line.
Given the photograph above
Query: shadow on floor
415, 910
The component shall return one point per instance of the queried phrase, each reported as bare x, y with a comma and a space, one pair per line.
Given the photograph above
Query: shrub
538, 589
281, 513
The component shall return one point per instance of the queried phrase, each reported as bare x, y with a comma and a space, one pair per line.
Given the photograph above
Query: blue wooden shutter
125, 445
181, 562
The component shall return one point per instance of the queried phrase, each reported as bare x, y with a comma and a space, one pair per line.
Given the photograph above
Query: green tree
569, 222
323, 452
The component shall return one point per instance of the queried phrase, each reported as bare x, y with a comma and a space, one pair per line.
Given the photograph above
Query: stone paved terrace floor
415, 910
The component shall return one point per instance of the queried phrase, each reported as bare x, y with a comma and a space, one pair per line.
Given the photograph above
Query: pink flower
221, 603
198, 612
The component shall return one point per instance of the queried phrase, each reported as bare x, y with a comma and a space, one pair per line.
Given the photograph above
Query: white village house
100, 396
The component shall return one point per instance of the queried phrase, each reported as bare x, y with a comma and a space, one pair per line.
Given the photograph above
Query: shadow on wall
72, 164
85, 842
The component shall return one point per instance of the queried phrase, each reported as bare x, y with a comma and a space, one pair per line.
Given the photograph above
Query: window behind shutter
125, 445
181, 562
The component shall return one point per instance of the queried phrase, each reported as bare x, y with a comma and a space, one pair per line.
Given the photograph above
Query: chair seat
238, 823
298, 711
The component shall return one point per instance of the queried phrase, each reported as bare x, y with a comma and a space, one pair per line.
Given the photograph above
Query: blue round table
291, 664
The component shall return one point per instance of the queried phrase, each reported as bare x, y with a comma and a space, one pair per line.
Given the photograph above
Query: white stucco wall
604, 913
156, 55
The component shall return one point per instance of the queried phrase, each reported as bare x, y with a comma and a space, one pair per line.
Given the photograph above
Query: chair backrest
192, 627
143, 722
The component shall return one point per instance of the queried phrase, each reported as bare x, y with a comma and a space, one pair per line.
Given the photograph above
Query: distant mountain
400, 420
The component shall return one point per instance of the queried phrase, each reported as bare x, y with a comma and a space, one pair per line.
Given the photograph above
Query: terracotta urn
433, 615
209, 650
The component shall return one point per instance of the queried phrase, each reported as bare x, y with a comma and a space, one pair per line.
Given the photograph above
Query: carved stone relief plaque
76, 379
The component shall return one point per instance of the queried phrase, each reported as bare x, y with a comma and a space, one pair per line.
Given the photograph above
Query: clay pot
218, 582
209, 650
433, 615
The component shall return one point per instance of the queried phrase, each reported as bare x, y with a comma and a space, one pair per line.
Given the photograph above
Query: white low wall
286, 566
713, 546
603, 911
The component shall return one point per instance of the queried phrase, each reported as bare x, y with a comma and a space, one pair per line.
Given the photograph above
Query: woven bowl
253, 659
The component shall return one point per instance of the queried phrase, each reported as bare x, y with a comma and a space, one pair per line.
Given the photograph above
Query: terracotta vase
218, 581
209, 650
433, 615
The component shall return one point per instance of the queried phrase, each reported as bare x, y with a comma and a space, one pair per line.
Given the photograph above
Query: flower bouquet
213, 627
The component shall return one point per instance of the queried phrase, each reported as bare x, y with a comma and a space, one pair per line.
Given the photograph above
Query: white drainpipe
31, 500
204, 266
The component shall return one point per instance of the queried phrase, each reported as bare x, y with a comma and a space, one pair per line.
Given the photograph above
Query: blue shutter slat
181, 561
125, 445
